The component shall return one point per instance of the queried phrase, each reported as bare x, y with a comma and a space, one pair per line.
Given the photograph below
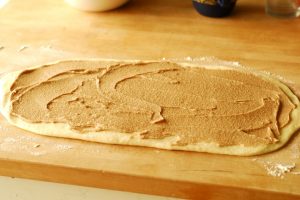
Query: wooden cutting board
36, 32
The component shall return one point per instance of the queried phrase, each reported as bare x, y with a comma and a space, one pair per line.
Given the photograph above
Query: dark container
214, 8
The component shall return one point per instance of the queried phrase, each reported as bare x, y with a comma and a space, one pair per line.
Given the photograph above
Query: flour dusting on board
282, 162
35, 146
32, 55
278, 170
63, 147
205, 60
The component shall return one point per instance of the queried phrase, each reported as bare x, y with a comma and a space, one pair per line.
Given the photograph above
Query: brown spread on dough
158, 99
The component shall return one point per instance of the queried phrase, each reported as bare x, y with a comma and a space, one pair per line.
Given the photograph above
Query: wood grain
147, 29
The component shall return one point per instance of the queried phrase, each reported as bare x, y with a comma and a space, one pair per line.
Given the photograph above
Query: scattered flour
205, 60
63, 147
278, 170
31, 145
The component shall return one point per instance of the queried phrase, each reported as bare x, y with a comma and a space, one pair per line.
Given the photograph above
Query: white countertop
23, 189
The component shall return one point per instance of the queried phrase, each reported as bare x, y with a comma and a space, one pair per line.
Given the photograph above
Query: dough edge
63, 130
